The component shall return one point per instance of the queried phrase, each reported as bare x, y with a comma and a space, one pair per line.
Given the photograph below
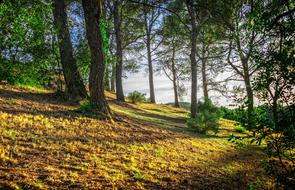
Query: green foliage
138, 176
261, 114
25, 51
103, 30
280, 145
83, 58
207, 118
10, 134
239, 141
240, 129
231, 114
86, 106
184, 105
137, 97
274, 84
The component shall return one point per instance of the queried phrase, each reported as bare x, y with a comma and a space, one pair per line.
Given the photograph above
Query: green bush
85, 106
29, 74
136, 97
206, 120
240, 129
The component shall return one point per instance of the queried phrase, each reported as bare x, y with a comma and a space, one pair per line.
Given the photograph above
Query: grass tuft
138, 176
240, 129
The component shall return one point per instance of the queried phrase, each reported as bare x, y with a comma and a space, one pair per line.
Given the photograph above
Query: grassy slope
44, 145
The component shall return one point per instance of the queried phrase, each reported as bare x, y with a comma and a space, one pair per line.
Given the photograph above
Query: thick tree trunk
194, 34
75, 89
119, 52
93, 12
150, 64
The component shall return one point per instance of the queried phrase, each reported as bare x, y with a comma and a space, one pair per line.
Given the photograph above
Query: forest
67, 121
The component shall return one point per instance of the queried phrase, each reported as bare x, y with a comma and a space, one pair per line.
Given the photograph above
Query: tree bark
93, 15
174, 77
176, 102
249, 91
119, 52
75, 89
204, 75
205, 82
113, 77
107, 79
113, 69
194, 34
149, 56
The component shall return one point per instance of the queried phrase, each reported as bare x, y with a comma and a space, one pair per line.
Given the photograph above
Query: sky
164, 89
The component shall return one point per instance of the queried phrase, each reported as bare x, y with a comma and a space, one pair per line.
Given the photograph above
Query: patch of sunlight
32, 88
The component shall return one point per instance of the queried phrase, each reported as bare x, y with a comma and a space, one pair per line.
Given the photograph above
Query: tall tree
171, 57
211, 53
93, 19
194, 33
119, 51
150, 16
75, 88
241, 48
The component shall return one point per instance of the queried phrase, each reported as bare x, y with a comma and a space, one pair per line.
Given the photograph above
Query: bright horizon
164, 89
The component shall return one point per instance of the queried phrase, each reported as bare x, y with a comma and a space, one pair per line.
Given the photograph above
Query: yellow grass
44, 144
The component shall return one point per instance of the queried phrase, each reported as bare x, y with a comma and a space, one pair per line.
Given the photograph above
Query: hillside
46, 144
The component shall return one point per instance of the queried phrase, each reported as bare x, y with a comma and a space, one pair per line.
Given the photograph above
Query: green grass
240, 129
45, 145
138, 176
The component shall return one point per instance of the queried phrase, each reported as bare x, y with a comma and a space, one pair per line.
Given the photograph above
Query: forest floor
46, 144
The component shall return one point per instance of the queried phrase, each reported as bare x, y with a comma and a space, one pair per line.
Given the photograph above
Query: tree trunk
75, 89
119, 52
194, 34
107, 78
249, 91
150, 65
205, 82
174, 77
204, 75
113, 69
113, 77
176, 102
275, 109
93, 14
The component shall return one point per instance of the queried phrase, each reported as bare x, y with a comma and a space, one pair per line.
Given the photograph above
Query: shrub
206, 120
85, 106
136, 97
240, 129
280, 145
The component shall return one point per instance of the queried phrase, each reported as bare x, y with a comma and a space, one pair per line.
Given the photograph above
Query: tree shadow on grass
51, 98
133, 131
222, 173
61, 109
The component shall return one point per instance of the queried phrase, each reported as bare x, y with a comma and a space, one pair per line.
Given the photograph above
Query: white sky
163, 88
